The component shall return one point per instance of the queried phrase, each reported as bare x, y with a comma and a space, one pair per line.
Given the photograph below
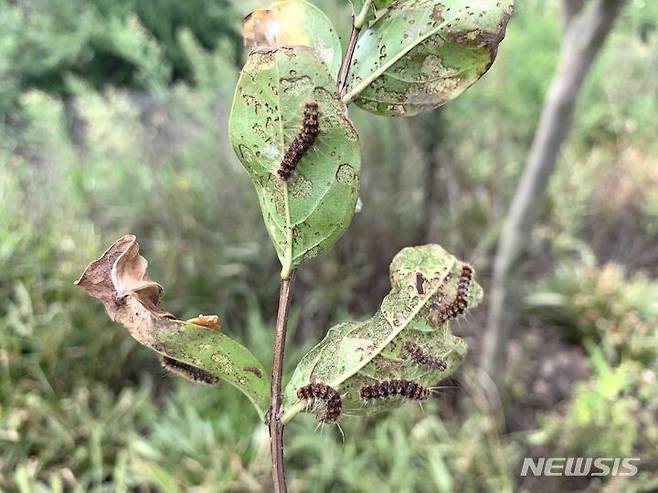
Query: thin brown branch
347, 61
358, 21
274, 417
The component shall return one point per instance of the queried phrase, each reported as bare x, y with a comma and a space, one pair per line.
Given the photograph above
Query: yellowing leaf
293, 23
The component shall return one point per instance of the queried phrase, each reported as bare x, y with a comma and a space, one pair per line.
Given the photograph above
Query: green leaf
382, 4
294, 23
119, 279
218, 354
423, 53
306, 214
424, 281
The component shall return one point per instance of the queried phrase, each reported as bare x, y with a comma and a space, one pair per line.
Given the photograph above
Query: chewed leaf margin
425, 281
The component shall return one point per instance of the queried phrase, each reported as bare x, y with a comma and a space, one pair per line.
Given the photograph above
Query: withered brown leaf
194, 348
119, 279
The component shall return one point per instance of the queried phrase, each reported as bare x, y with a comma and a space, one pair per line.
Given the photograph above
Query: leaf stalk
357, 24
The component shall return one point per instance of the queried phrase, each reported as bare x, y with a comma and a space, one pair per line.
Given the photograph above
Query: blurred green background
113, 119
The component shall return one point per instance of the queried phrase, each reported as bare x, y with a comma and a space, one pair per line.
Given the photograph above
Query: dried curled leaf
429, 287
119, 279
293, 23
421, 54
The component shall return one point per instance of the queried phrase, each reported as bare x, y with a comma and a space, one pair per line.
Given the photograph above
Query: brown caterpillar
302, 141
423, 357
333, 405
190, 372
420, 283
459, 304
391, 388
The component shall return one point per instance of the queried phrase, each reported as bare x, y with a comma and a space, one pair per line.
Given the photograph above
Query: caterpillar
391, 388
423, 357
190, 372
302, 141
333, 405
459, 304
420, 283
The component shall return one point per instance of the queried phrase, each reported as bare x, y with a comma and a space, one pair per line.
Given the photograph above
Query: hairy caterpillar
391, 388
302, 141
423, 357
333, 405
420, 283
459, 304
190, 372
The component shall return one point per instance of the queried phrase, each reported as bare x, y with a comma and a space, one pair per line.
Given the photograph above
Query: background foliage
113, 120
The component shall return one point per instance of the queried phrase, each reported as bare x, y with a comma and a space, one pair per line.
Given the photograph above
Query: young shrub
290, 129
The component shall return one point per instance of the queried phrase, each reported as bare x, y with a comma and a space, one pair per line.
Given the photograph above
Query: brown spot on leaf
420, 283
437, 13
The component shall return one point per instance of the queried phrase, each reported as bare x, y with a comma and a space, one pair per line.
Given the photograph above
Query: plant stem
363, 15
357, 24
347, 60
274, 420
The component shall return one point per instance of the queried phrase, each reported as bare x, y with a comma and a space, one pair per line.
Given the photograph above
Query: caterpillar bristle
391, 388
189, 372
303, 140
331, 402
423, 357
460, 302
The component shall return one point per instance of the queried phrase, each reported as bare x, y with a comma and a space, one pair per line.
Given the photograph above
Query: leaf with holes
429, 287
308, 212
423, 53
294, 23
120, 281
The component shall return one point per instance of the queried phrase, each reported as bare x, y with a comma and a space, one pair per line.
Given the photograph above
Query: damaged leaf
120, 281
409, 338
306, 213
294, 23
423, 53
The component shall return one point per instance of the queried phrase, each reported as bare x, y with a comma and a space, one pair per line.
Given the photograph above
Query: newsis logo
580, 466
